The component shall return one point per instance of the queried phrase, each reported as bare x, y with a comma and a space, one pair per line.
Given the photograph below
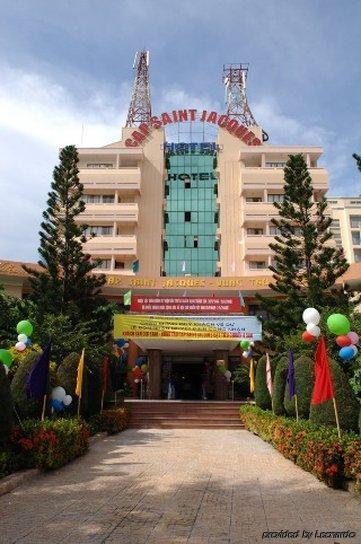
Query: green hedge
111, 421
261, 393
304, 385
279, 386
314, 448
49, 444
347, 404
6, 410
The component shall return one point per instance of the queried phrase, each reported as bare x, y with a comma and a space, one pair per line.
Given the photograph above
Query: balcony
254, 179
116, 179
260, 212
125, 213
258, 245
106, 246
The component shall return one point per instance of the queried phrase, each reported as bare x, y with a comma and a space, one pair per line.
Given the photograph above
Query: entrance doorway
184, 379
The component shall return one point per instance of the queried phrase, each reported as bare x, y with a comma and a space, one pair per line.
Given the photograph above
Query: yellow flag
79, 377
251, 377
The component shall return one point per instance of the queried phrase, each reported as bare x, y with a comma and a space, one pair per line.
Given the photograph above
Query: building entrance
184, 379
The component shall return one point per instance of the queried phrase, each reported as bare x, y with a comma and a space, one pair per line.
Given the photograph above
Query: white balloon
313, 329
6, 368
245, 354
67, 400
311, 315
22, 338
228, 374
20, 346
58, 393
126, 345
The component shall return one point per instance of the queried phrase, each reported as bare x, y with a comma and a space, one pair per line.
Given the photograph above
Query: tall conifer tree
64, 283
306, 263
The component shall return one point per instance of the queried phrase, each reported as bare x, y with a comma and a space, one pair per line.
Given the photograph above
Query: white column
116, 197
308, 161
112, 264
263, 160
114, 228
117, 161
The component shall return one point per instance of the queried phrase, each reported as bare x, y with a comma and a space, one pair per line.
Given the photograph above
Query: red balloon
307, 337
343, 341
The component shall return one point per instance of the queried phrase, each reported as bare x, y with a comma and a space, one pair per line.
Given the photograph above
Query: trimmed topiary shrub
6, 411
111, 421
261, 393
25, 407
279, 385
347, 404
304, 384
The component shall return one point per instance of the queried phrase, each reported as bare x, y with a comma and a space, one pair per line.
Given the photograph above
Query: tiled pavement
176, 486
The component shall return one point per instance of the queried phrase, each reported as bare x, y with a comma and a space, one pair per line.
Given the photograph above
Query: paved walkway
176, 486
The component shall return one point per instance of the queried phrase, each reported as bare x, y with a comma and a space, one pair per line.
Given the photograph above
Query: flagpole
296, 407
102, 402
44, 406
79, 403
336, 417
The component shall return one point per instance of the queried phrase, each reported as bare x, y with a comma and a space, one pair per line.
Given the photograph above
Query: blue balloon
28, 343
139, 361
346, 353
120, 342
57, 405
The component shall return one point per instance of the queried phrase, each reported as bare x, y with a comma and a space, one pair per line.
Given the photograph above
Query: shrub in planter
50, 444
6, 410
261, 394
26, 407
8, 463
304, 384
111, 421
347, 404
279, 385
352, 460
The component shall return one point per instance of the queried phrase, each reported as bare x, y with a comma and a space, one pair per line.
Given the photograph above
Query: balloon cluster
140, 369
312, 318
340, 325
247, 346
25, 330
59, 399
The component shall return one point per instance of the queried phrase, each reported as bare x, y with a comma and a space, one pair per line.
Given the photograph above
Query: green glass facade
191, 216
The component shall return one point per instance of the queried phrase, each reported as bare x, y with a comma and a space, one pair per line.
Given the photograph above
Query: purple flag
291, 380
37, 381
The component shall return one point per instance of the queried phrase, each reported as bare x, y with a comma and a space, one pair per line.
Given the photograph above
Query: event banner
131, 327
186, 305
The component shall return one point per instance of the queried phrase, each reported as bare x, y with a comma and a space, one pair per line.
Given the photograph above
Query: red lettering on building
212, 117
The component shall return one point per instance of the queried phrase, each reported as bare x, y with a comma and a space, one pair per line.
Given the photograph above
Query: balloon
244, 344
354, 337
126, 345
346, 353
137, 372
307, 337
338, 324
6, 357
20, 346
228, 374
24, 327
220, 362
67, 400
137, 380
139, 361
251, 344
311, 315
355, 350
22, 338
313, 329
57, 405
343, 341
245, 354
28, 343
144, 368
6, 368
119, 342
58, 393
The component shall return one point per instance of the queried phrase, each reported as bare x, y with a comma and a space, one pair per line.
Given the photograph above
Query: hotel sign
186, 305
133, 327
144, 130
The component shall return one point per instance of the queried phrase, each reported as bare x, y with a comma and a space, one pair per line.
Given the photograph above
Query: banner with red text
186, 305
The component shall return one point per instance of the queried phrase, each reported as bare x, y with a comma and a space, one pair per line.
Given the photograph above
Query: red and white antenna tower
234, 79
140, 109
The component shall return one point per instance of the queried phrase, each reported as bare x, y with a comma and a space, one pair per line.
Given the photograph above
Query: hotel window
108, 199
99, 231
275, 197
187, 183
99, 165
98, 199
257, 265
356, 238
355, 221
187, 216
254, 231
104, 264
253, 199
119, 265
279, 164
274, 231
357, 254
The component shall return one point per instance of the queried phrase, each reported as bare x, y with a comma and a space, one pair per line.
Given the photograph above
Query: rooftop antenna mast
234, 79
140, 109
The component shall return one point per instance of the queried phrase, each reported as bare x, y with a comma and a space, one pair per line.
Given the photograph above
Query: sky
66, 78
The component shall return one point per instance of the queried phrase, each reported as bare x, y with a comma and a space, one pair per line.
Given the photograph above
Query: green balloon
244, 344
24, 327
5, 357
338, 324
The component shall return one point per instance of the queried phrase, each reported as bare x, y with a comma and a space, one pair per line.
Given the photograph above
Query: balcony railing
107, 246
110, 213
121, 179
257, 178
